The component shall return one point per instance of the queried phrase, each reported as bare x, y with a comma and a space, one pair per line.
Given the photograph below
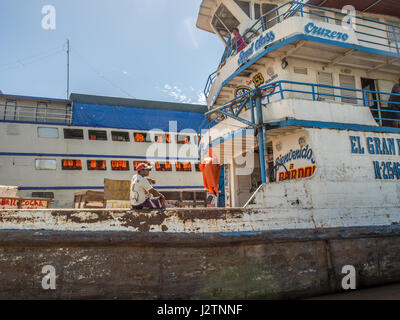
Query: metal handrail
316, 95
209, 83
298, 7
34, 114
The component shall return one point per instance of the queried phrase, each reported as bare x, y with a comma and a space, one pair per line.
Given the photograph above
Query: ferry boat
53, 148
304, 122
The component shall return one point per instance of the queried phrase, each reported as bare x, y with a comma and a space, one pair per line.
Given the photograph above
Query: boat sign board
295, 157
24, 203
116, 189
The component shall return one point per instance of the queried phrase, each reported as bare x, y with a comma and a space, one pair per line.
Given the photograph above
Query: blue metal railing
210, 81
391, 31
385, 36
374, 100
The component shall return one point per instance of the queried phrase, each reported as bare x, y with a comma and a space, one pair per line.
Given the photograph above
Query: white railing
36, 114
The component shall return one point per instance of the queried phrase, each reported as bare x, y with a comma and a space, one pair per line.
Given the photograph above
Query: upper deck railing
383, 105
41, 113
369, 32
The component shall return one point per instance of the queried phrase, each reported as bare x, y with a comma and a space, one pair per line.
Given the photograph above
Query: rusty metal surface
117, 219
144, 265
194, 220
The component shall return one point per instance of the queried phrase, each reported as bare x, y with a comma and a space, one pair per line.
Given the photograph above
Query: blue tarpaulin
121, 117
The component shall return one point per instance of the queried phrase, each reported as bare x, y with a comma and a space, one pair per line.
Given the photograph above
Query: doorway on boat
372, 98
246, 184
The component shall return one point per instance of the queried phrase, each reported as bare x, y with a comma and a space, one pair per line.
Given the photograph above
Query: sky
148, 49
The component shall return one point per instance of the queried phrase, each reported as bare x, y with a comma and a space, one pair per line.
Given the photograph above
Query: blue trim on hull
101, 188
333, 125
21, 154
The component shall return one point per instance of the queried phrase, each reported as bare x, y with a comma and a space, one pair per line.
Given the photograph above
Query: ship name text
313, 29
261, 42
386, 170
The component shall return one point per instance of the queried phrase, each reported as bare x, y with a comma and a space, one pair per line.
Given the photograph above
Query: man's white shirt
140, 188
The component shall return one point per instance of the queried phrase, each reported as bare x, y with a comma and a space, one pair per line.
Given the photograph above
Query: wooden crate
89, 199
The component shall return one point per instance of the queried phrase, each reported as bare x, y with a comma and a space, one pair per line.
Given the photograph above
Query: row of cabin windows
116, 165
101, 135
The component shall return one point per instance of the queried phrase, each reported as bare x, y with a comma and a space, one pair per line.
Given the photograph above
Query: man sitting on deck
141, 190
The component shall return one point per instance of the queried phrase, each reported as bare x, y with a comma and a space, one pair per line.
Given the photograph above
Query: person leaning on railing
238, 42
395, 105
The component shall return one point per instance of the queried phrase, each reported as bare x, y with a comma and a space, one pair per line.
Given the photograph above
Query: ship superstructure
52, 148
306, 87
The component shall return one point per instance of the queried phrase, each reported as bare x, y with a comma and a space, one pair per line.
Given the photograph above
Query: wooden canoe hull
235, 265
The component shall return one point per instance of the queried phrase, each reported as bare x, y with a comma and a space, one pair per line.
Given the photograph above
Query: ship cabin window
163, 166
348, 82
120, 165
98, 135
162, 138
45, 164
224, 21
96, 165
339, 18
9, 110
244, 5
47, 195
326, 92
257, 11
120, 136
51, 133
179, 166
270, 19
141, 137
136, 163
317, 15
41, 111
73, 134
68, 164
197, 166
391, 35
298, 70
182, 139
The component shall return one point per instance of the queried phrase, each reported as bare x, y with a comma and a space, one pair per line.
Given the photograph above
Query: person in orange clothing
211, 171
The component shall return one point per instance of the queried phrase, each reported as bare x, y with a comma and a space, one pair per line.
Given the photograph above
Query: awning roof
136, 103
204, 17
386, 7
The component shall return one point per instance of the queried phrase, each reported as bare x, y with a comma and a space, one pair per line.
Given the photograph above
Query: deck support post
261, 132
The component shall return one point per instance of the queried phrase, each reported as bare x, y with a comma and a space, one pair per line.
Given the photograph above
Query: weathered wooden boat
115, 254
310, 157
